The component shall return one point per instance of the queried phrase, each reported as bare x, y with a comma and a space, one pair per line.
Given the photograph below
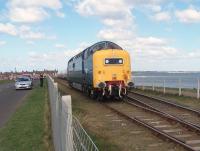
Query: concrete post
153, 86
198, 95
67, 111
143, 85
180, 89
164, 90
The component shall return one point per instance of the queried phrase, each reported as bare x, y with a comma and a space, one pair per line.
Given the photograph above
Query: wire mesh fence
81, 140
186, 86
68, 134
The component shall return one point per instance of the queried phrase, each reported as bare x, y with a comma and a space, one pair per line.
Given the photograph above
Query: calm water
171, 79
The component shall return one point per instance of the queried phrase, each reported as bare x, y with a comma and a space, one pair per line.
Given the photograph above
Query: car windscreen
22, 79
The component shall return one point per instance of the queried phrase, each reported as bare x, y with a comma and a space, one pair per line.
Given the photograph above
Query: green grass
101, 143
28, 129
5, 81
80, 110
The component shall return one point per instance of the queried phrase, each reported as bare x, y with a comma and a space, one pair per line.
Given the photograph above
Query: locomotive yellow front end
112, 72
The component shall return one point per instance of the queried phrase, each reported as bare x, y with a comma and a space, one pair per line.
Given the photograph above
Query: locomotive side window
113, 61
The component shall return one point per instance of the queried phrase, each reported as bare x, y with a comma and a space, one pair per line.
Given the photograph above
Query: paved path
10, 99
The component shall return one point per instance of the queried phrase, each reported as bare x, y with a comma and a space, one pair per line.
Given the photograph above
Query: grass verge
29, 128
5, 81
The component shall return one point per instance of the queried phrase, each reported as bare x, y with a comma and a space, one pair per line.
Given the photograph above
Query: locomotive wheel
93, 94
100, 97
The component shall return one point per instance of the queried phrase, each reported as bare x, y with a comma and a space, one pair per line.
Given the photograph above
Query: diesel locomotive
101, 70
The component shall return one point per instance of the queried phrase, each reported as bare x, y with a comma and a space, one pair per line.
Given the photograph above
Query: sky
160, 35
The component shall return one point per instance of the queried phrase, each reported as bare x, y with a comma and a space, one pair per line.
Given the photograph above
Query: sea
168, 79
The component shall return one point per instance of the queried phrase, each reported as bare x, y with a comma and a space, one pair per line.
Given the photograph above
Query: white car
23, 83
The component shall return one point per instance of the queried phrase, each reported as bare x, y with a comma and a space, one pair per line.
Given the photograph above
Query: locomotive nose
114, 76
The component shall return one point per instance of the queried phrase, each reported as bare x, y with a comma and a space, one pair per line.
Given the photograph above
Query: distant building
35, 74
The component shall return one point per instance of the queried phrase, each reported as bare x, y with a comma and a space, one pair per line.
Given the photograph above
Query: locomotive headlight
102, 85
131, 84
120, 61
107, 61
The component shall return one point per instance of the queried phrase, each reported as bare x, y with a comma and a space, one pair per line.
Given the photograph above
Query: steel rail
166, 102
156, 130
187, 124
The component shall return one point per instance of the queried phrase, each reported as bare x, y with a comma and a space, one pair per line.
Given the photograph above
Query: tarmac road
10, 99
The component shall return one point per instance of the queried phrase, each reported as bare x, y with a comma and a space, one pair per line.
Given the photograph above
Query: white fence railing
177, 85
68, 134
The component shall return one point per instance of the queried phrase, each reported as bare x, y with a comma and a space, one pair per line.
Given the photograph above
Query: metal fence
68, 134
176, 85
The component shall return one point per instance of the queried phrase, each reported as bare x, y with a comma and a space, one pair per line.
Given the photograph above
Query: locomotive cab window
114, 61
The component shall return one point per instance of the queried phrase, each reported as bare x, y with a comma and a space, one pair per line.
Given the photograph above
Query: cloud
8, 29
2, 43
60, 14
116, 17
32, 11
115, 34
28, 15
189, 15
119, 26
52, 59
53, 4
162, 16
152, 7
101, 8
153, 47
55, 59
60, 46
23, 31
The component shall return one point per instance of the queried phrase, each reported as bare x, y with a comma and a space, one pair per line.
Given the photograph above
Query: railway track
182, 113
164, 124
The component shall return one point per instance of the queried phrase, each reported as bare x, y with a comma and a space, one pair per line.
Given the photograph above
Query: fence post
180, 87
153, 86
198, 95
67, 111
143, 85
164, 87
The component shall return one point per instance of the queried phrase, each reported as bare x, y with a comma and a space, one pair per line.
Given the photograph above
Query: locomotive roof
98, 43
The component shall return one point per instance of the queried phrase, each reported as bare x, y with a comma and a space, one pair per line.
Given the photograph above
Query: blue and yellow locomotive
103, 69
